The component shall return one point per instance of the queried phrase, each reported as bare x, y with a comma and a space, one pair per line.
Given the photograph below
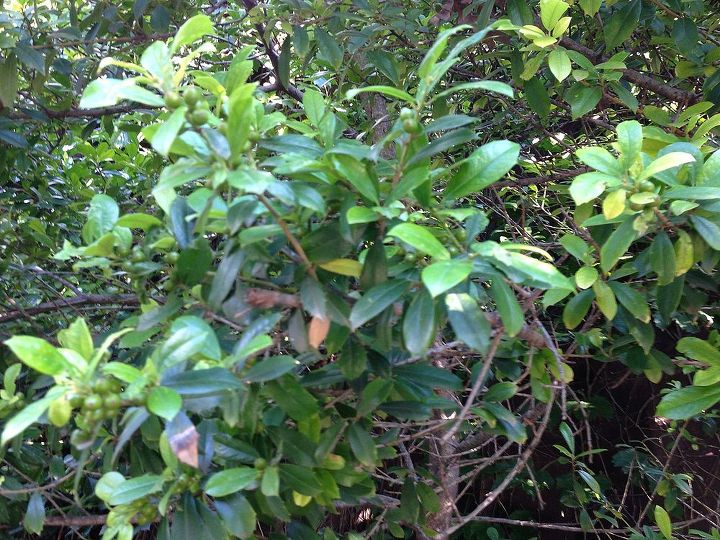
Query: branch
543, 179
640, 79
80, 300
28, 114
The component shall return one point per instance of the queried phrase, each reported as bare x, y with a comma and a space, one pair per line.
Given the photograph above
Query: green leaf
444, 275
357, 175
420, 238
663, 522
78, 338
376, 300
501, 391
29, 415
492, 86
631, 300
34, 518
164, 402
38, 354
138, 221
136, 488
165, 135
617, 244
362, 445
352, 360
630, 138
438, 47
551, 11
693, 193
192, 30
482, 168
291, 397
270, 484
614, 204
582, 99
237, 515
589, 479
419, 323
8, 82
708, 230
605, 299
107, 485
600, 159
102, 216
468, 322
270, 368
586, 276
687, 402
329, 48
390, 91
537, 97
230, 481
589, 186
301, 479
665, 162
559, 64
576, 309
507, 305
622, 24
700, 350
662, 258
109, 92
203, 382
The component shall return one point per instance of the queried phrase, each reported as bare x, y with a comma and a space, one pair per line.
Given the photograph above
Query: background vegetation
359, 269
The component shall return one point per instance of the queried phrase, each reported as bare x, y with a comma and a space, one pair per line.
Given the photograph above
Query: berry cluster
142, 511
644, 196
198, 110
97, 402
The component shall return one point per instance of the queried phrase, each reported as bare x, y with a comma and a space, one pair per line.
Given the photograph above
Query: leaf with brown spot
184, 445
318, 331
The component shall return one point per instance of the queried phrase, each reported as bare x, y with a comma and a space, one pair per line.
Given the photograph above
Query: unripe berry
173, 100
192, 95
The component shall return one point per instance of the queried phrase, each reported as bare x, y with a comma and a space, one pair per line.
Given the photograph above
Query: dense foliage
380, 269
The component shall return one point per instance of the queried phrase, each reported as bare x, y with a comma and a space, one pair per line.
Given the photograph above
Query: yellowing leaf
344, 267
614, 204
318, 331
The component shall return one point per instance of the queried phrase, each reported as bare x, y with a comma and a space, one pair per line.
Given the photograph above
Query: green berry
192, 95
97, 415
112, 402
410, 125
254, 136
101, 385
137, 255
173, 100
260, 464
410, 257
93, 402
172, 257
76, 401
80, 439
407, 114
646, 185
199, 117
453, 250
461, 234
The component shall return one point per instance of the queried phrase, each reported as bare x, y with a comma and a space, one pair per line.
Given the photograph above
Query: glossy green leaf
230, 481
419, 327
485, 166
507, 305
444, 275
